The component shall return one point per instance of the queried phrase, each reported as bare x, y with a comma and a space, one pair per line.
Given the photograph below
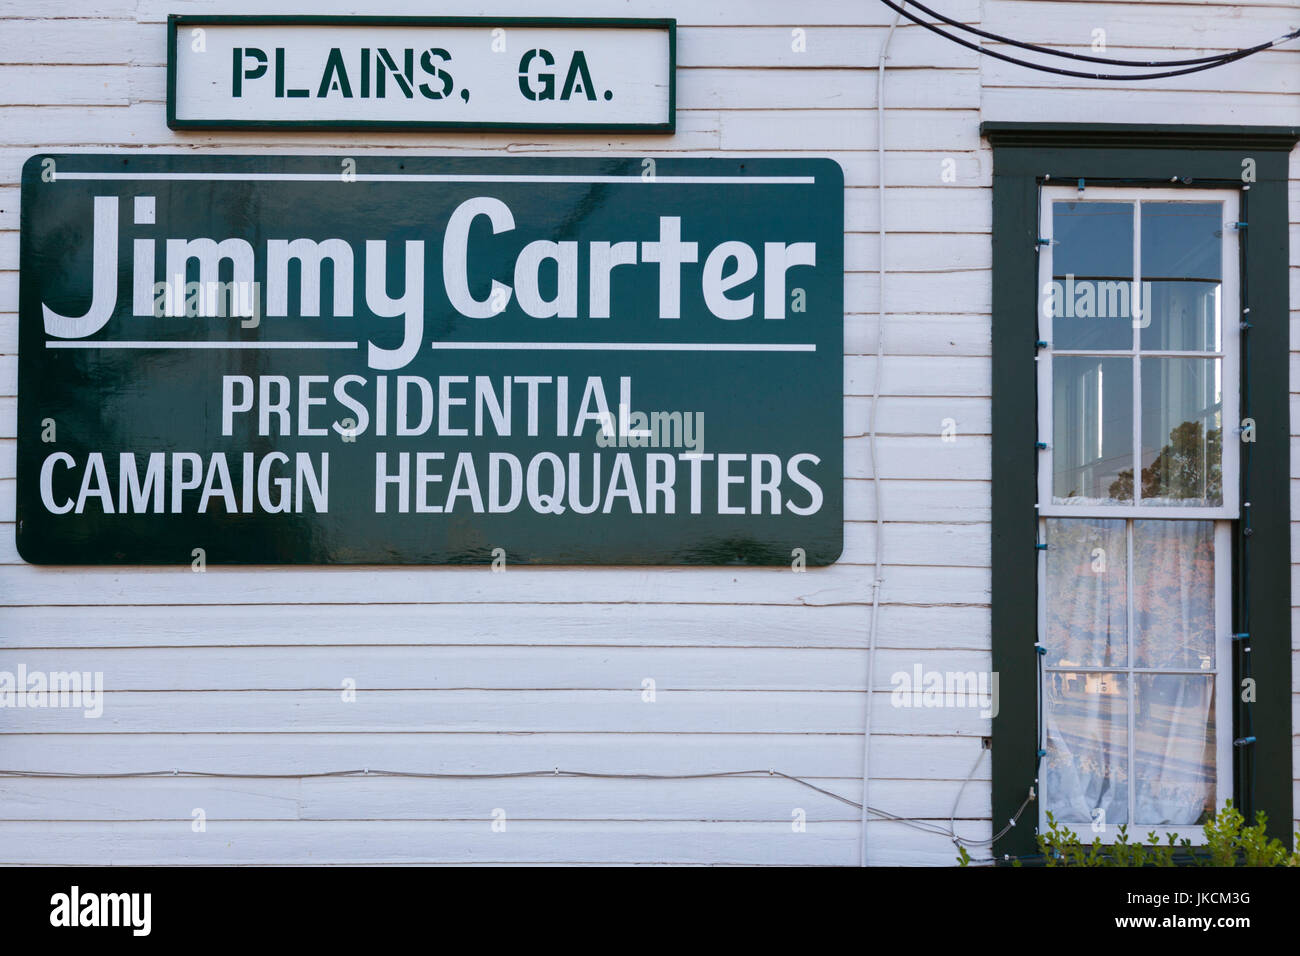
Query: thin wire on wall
877, 579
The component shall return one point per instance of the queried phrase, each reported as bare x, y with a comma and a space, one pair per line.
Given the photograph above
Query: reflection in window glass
1092, 281
1092, 429
1085, 599
1173, 767
1181, 316
1087, 746
1182, 264
1173, 594
1182, 432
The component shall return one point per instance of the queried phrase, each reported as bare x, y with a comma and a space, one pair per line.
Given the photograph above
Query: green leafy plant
1228, 842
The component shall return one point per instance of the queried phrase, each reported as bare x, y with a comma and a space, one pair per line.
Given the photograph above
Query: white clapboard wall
463, 670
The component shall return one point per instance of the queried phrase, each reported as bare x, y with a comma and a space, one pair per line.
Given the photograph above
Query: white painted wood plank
905, 251
515, 711
1134, 106
927, 293
8, 208
916, 335
63, 85
757, 798
477, 625
144, 124
838, 584
721, 12
919, 500
927, 416
62, 41
797, 87
893, 757
504, 667
958, 376
350, 842
59, 9
735, 130
967, 458
941, 209
817, 130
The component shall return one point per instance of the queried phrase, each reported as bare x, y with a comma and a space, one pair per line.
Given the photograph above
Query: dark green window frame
1201, 157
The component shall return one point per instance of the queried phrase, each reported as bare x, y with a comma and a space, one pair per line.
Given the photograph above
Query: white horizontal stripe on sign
633, 346
444, 178
199, 345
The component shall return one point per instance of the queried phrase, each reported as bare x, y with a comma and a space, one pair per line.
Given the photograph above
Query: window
1139, 312
1137, 488
1115, 443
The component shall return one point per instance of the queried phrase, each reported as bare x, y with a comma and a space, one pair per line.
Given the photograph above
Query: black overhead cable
1214, 58
1203, 63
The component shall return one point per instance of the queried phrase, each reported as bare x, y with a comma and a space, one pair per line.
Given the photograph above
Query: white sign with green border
420, 73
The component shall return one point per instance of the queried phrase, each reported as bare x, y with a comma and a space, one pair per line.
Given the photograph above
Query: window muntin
1138, 310
1137, 364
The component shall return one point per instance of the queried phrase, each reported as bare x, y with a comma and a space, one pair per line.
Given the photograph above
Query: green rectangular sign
402, 360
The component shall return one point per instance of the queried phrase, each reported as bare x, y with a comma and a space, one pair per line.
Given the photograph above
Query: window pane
1182, 260
1173, 724
1173, 594
1092, 430
1087, 747
1182, 437
1085, 599
1183, 315
1092, 275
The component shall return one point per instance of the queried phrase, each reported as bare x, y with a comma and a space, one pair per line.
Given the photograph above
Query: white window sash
1222, 515
1230, 306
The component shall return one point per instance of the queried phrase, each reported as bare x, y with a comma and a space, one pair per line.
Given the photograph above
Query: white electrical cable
875, 400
